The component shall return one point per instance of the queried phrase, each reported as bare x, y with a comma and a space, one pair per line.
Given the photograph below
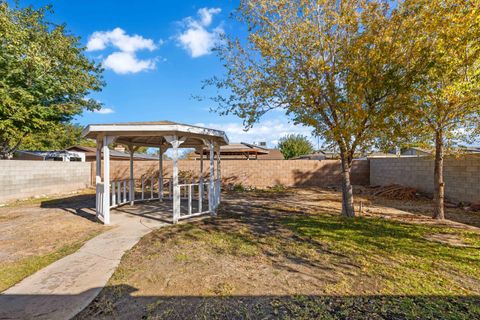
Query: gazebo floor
156, 210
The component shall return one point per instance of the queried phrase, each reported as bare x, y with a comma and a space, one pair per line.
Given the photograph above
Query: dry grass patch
288, 254
37, 232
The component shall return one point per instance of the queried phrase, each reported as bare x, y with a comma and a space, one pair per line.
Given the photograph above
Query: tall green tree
44, 75
294, 145
340, 67
445, 105
58, 137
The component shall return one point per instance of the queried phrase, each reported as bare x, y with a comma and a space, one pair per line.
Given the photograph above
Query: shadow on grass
123, 302
309, 239
82, 205
252, 224
424, 209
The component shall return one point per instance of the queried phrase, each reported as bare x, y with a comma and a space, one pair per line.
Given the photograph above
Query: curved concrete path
67, 286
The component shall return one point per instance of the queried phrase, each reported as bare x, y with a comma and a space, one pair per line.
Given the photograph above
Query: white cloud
124, 60
96, 43
197, 39
117, 38
206, 15
105, 111
269, 131
127, 62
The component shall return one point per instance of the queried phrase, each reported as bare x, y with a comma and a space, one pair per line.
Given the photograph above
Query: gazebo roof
152, 133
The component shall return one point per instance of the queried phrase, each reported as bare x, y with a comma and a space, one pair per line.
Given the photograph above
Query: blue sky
155, 57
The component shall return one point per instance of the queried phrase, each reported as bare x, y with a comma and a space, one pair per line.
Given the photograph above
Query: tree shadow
125, 302
130, 306
318, 228
263, 221
422, 211
82, 205
330, 173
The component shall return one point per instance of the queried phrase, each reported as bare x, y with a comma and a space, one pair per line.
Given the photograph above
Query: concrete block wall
257, 173
462, 175
21, 179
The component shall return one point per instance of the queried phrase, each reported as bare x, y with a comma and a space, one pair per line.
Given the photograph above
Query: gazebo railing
119, 192
217, 188
100, 193
195, 197
144, 189
151, 188
194, 191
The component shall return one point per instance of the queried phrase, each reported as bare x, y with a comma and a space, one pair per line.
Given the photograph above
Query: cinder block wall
20, 179
257, 173
462, 175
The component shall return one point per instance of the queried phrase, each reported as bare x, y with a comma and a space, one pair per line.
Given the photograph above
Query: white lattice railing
146, 188
195, 197
194, 191
100, 193
152, 188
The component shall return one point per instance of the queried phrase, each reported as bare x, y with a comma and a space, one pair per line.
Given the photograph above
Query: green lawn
399, 253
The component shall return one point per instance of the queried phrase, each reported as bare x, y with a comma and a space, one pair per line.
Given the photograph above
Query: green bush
294, 145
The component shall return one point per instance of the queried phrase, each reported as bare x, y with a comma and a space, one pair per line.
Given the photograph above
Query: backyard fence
253, 173
20, 179
462, 175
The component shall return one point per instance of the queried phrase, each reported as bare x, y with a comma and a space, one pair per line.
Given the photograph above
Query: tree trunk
347, 190
4, 151
439, 185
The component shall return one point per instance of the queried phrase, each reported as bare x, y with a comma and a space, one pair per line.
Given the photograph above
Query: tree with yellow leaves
445, 103
341, 67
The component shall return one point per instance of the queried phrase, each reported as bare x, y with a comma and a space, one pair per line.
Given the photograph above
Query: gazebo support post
175, 142
106, 178
98, 175
131, 193
211, 189
98, 162
218, 182
132, 183
161, 151
200, 183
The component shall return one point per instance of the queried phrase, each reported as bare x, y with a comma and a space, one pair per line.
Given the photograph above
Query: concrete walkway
67, 286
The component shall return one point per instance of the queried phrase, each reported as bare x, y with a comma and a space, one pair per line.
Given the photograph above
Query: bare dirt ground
288, 254
37, 232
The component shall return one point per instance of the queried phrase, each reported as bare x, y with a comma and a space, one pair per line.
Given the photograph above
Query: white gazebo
162, 135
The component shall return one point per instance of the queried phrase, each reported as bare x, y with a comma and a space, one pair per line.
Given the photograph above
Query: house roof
379, 154
424, 150
35, 153
273, 154
472, 149
241, 148
153, 133
311, 156
467, 149
44, 154
90, 151
246, 149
